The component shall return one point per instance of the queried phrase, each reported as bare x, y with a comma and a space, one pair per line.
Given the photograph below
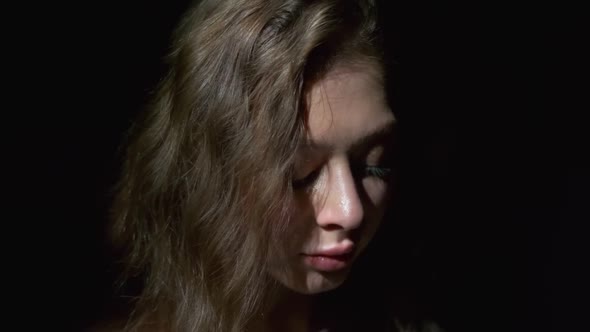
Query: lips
330, 260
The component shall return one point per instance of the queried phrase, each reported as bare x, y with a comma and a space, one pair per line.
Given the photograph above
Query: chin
319, 282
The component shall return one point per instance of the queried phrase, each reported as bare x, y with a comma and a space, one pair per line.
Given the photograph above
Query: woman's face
341, 180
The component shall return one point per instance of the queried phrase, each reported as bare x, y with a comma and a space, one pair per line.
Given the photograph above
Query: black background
491, 95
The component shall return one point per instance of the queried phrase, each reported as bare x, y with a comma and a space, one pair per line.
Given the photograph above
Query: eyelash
379, 172
306, 181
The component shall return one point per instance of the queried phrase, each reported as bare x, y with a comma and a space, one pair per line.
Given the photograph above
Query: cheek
377, 192
300, 224
377, 196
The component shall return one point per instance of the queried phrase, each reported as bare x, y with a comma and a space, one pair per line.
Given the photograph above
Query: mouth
330, 260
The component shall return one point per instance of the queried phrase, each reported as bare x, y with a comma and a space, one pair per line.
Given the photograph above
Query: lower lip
327, 263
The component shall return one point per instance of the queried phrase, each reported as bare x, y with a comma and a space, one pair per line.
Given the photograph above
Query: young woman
261, 172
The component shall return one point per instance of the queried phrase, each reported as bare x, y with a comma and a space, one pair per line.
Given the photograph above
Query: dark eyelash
306, 181
377, 171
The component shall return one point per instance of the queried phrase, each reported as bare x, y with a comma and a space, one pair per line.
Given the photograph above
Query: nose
339, 206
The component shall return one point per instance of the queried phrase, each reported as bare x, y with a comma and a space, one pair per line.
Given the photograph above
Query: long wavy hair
202, 199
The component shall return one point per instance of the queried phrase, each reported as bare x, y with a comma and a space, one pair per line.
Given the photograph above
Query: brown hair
204, 179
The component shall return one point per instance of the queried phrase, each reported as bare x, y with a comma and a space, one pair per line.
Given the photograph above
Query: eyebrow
377, 135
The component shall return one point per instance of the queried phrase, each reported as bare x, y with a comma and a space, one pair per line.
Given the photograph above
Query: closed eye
305, 181
378, 172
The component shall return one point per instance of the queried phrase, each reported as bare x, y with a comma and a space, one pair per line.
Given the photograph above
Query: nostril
332, 227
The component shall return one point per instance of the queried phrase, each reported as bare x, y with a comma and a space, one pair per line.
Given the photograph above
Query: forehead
346, 106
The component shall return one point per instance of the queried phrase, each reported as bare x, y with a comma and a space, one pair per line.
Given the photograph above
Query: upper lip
338, 250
